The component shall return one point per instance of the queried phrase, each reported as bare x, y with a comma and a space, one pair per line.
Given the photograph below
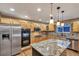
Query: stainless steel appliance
10, 39
25, 33
16, 39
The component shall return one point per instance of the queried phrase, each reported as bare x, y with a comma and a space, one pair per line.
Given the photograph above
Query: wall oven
25, 33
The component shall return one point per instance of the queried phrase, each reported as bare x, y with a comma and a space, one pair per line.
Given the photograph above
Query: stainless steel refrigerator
10, 39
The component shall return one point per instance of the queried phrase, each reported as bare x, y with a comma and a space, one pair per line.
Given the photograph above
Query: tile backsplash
68, 35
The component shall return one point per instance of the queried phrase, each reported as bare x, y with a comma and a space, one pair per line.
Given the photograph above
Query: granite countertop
72, 39
51, 47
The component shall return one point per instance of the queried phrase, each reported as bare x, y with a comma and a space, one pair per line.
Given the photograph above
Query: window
66, 28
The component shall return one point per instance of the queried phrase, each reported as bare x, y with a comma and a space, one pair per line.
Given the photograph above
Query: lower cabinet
74, 44
35, 53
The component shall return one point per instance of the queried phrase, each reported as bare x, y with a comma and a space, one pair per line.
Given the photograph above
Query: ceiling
71, 10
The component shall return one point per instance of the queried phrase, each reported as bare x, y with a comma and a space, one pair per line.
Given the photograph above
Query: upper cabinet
43, 27
23, 23
32, 25
15, 21
51, 27
75, 26
39, 25
6, 20
9, 21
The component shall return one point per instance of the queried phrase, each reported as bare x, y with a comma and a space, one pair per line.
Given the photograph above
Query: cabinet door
23, 23
6, 20
51, 27
14, 21
32, 25
43, 27
78, 45
75, 27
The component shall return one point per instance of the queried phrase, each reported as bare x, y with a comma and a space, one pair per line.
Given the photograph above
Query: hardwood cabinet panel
75, 26
43, 27
15, 21
32, 26
78, 43
6, 20
9, 21
51, 27
23, 23
74, 44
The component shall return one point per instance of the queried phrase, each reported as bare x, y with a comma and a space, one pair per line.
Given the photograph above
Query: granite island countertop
51, 47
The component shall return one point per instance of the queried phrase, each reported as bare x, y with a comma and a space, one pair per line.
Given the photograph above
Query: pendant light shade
58, 22
62, 24
51, 16
51, 20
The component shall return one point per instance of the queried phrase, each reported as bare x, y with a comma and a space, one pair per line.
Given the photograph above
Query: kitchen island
50, 47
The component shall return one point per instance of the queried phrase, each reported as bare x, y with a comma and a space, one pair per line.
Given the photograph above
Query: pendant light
51, 16
58, 22
62, 24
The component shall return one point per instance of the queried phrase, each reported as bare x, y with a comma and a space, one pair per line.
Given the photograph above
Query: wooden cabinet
51, 27
6, 20
43, 27
32, 25
75, 27
23, 23
15, 21
74, 44
9, 21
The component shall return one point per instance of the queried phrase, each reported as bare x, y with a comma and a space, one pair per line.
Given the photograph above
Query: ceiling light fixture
62, 24
26, 16
39, 9
51, 16
12, 9
58, 22
40, 19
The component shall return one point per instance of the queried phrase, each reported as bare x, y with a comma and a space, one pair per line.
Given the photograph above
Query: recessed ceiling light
40, 19
26, 16
39, 9
12, 9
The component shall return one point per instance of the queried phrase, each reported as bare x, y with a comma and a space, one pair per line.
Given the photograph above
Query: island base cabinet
74, 44
64, 53
35, 53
